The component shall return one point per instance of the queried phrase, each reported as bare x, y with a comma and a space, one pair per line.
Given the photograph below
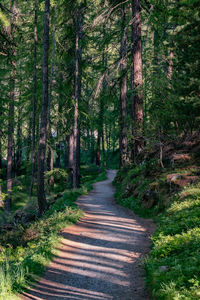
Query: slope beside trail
100, 256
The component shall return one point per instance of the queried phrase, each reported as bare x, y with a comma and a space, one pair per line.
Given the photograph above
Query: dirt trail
100, 257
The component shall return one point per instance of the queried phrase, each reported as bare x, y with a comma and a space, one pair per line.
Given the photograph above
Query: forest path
99, 257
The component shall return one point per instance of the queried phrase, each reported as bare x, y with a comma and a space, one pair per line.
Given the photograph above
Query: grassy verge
25, 252
173, 265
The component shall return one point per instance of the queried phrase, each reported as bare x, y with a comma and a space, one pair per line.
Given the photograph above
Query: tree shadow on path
100, 257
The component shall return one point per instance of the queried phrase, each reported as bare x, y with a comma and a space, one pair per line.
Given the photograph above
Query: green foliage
131, 187
92, 173
56, 180
3, 19
176, 245
172, 267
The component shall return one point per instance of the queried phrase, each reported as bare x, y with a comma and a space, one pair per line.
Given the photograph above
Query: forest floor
101, 256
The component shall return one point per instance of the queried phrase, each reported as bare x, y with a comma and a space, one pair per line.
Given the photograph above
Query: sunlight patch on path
100, 256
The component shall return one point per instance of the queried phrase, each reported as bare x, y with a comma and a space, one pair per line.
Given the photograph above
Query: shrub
56, 180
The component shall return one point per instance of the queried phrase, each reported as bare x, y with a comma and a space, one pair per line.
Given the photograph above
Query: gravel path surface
100, 257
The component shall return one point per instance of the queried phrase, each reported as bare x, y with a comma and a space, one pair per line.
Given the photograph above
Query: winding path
99, 257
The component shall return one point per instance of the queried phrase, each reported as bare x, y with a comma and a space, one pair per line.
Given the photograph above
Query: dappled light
100, 256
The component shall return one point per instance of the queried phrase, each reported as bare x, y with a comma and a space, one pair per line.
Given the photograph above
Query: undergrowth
173, 265
24, 258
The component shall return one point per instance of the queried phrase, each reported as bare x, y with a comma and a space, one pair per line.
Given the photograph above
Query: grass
25, 253
173, 265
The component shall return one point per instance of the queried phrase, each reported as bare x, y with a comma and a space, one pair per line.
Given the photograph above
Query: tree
44, 114
34, 106
137, 101
12, 28
123, 93
77, 97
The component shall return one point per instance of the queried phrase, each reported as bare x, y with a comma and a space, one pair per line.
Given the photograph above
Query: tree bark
100, 138
98, 153
34, 103
137, 100
49, 137
19, 146
8, 200
92, 147
58, 155
42, 203
66, 151
77, 97
71, 150
123, 94
70, 157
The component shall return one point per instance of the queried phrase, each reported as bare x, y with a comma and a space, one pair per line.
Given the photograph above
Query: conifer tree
44, 114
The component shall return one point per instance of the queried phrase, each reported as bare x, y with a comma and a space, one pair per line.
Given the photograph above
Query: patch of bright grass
172, 268
34, 247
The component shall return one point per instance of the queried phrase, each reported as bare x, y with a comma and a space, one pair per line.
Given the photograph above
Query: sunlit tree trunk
8, 200
49, 137
98, 153
34, 104
92, 138
77, 97
100, 138
70, 157
59, 123
100, 149
18, 146
44, 114
123, 94
137, 101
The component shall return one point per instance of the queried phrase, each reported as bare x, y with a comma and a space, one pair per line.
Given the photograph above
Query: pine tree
44, 114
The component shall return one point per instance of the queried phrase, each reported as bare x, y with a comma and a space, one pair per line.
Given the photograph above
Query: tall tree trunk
8, 200
59, 123
19, 146
123, 94
100, 140
77, 96
137, 101
98, 153
70, 157
49, 137
101, 121
44, 115
109, 138
92, 147
58, 155
66, 152
34, 103
103, 142
71, 150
